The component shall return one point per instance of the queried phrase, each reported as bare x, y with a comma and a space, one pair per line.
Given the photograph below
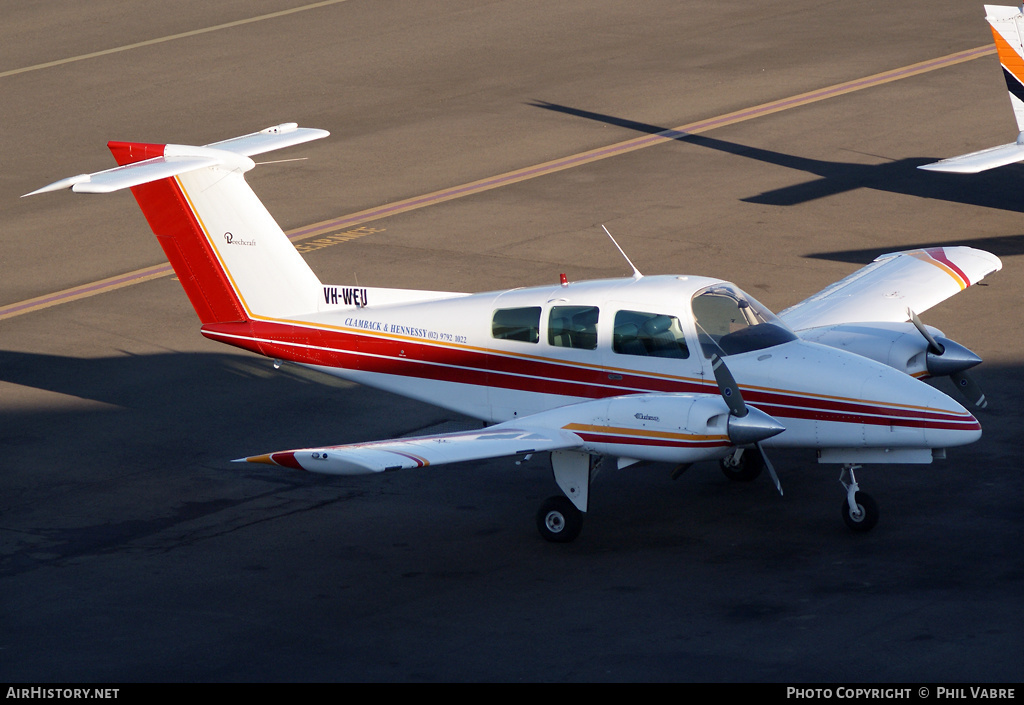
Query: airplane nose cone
913, 408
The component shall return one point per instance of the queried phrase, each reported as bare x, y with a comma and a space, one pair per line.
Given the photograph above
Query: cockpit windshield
730, 322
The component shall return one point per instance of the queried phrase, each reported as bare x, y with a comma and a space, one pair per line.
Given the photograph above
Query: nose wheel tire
558, 520
863, 516
746, 468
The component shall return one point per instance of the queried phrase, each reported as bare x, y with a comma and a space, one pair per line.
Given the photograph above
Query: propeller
747, 425
951, 359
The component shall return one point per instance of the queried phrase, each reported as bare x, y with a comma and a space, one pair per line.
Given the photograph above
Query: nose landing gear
860, 512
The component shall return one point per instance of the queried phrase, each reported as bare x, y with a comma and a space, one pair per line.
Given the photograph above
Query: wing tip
284, 460
264, 459
69, 182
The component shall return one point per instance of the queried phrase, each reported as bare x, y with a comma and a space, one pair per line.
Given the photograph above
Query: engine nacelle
898, 345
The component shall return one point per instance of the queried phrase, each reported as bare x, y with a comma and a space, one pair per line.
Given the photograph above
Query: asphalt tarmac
132, 550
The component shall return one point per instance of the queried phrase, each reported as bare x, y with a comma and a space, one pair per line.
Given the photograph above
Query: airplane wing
893, 283
509, 438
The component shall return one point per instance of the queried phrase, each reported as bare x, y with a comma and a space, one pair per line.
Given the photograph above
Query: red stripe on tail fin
182, 239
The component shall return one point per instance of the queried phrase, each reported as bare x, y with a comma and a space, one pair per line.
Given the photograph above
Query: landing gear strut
560, 518
742, 466
860, 512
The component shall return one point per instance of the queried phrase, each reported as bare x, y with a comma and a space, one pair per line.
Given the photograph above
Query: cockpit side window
729, 322
649, 334
573, 327
516, 324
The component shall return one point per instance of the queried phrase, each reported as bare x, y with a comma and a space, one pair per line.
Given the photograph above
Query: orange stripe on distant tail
1009, 57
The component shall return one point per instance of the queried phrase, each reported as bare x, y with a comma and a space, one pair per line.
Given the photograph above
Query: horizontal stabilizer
979, 161
180, 159
270, 139
131, 175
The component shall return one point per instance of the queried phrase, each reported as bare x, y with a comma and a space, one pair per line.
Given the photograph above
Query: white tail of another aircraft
233, 260
1008, 31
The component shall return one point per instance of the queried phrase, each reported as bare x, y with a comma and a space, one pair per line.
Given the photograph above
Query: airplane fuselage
499, 356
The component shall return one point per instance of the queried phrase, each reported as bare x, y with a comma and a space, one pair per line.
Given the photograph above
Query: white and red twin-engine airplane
626, 370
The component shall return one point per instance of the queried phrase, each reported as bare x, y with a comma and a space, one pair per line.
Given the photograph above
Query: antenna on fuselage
636, 272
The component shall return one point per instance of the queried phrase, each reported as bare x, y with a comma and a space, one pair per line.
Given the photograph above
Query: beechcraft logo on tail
231, 239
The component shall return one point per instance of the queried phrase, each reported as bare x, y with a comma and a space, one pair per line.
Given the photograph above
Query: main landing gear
860, 512
558, 520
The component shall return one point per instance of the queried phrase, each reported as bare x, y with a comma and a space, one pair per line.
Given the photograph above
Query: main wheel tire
866, 517
747, 469
558, 520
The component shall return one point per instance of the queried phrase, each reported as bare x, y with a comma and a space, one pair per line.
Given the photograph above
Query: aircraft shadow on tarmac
225, 403
1003, 246
117, 380
994, 189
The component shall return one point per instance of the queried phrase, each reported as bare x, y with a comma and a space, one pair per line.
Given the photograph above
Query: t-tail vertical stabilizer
232, 258
1008, 31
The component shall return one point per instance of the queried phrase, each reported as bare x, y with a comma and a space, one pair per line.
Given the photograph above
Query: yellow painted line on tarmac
646, 141
168, 38
85, 290
329, 230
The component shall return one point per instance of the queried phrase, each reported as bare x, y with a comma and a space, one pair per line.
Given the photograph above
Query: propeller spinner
946, 357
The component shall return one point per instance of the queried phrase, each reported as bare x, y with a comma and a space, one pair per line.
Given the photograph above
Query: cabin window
517, 324
649, 334
573, 327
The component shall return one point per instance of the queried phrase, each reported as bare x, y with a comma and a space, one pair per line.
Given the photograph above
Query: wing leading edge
510, 438
884, 290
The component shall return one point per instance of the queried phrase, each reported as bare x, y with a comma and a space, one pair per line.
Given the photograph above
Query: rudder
1007, 24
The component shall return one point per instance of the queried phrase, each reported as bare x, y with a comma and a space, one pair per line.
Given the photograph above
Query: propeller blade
933, 346
970, 389
747, 425
728, 387
771, 468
